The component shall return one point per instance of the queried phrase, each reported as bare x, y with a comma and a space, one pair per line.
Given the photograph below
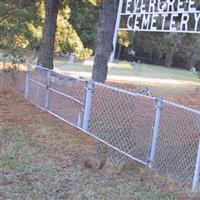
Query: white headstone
71, 58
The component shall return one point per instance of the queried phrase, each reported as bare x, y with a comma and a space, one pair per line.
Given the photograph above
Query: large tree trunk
104, 48
47, 45
104, 43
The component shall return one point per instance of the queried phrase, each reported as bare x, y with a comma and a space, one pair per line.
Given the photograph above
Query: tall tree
48, 39
189, 49
15, 19
104, 42
170, 45
84, 18
67, 37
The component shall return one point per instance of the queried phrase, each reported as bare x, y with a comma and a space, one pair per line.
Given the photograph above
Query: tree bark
169, 58
48, 39
104, 42
104, 48
119, 51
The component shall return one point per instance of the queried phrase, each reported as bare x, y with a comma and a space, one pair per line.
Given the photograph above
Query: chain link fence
156, 133
123, 119
14, 79
178, 142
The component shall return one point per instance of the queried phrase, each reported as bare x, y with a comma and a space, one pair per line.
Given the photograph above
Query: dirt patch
188, 99
43, 158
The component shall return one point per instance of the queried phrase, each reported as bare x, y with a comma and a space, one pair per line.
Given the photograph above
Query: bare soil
188, 99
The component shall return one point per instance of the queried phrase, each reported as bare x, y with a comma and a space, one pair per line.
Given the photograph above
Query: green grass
162, 81
126, 69
122, 69
11, 162
154, 71
15, 148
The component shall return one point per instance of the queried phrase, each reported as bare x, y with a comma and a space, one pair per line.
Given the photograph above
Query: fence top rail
65, 95
153, 98
124, 91
182, 106
60, 73
69, 75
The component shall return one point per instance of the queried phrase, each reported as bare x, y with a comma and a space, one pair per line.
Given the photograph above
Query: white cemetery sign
180, 16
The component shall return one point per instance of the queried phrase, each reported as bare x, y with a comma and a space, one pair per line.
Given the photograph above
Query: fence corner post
48, 85
196, 180
27, 83
155, 135
88, 105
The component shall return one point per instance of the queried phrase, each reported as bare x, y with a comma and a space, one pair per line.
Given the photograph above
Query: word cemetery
161, 15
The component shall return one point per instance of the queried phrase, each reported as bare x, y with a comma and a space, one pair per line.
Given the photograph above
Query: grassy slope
161, 81
126, 69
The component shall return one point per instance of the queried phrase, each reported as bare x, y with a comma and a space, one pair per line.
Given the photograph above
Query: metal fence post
88, 105
156, 130
196, 180
27, 83
48, 85
79, 120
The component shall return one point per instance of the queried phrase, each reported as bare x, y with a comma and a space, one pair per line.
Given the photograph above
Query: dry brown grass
43, 158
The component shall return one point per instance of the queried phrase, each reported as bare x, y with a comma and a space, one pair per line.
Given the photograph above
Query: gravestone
71, 58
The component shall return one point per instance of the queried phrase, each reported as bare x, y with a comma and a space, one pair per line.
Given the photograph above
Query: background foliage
21, 24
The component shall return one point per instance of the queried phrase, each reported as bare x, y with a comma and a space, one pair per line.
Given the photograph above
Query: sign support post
117, 25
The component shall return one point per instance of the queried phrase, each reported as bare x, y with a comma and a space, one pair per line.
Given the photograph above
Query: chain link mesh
69, 107
178, 142
37, 94
38, 74
69, 85
66, 108
16, 79
36, 86
123, 120
65, 94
